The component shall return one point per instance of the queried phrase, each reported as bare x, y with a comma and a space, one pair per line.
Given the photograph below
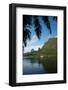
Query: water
32, 66
36, 66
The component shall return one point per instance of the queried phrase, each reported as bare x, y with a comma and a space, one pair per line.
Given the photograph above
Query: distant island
48, 50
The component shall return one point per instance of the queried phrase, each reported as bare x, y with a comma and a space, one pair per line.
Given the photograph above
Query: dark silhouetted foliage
46, 21
27, 23
37, 26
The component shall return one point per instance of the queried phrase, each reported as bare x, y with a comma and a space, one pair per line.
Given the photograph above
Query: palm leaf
37, 26
47, 22
26, 36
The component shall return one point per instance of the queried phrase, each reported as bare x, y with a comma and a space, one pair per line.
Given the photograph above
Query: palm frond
26, 36
47, 22
37, 26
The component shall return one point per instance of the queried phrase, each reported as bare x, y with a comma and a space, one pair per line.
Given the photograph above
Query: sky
36, 43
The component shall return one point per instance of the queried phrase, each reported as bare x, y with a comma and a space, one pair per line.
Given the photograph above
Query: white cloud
28, 49
34, 39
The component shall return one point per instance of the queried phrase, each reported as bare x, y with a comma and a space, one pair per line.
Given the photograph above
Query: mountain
50, 47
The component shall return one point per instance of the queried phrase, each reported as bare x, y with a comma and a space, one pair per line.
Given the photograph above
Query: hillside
50, 47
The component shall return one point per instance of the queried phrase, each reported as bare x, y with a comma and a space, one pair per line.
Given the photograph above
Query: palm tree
27, 23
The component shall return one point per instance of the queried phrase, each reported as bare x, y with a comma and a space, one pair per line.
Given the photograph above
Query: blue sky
36, 43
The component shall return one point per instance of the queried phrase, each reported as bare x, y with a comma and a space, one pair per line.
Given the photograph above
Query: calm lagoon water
35, 66
32, 66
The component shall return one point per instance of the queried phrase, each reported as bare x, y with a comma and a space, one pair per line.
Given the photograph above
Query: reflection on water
35, 66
